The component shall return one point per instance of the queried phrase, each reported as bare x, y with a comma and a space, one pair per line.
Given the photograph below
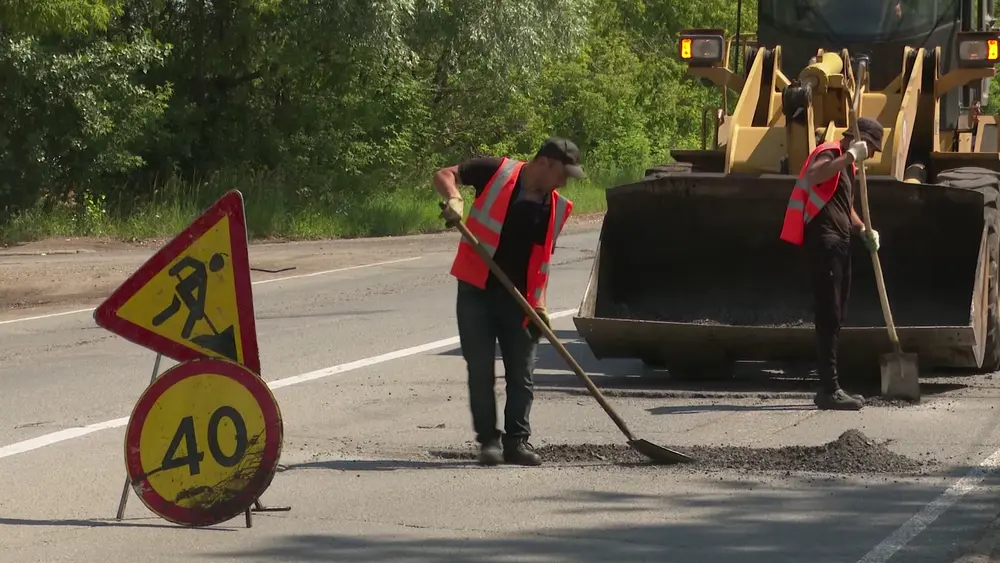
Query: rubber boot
518, 451
490, 453
838, 400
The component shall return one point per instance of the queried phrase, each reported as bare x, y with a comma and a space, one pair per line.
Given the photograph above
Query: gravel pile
852, 452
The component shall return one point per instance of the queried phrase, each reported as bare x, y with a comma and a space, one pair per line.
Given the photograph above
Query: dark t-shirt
526, 223
833, 224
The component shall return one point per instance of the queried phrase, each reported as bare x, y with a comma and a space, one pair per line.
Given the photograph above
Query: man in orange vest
517, 216
820, 216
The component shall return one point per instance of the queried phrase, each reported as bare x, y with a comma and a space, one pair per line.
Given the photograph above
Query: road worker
821, 217
517, 215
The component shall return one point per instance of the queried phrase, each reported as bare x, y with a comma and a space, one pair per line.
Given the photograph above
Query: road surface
362, 461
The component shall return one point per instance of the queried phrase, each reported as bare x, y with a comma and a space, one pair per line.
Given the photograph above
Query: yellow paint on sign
204, 435
202, 277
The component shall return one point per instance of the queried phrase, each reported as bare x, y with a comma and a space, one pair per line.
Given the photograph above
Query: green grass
270, 214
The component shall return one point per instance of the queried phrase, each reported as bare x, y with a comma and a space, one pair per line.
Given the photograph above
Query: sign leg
259, 507
124, 499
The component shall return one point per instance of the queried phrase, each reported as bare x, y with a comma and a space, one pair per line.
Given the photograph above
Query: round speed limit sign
203, 442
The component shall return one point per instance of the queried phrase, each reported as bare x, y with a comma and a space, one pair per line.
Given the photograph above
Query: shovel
654, 452
900, 372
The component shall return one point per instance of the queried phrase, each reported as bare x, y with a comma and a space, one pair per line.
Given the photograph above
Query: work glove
870, 239
536, 333
452, 211
859, 150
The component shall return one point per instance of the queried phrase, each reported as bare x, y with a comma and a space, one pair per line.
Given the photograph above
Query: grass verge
270, 213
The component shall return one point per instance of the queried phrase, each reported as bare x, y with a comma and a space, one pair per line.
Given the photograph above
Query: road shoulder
75, 273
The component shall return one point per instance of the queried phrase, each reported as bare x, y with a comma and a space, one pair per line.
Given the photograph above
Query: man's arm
446, 181
823, 167
856, 221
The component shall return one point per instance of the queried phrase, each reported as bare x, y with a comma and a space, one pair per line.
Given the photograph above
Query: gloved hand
870, 239
535, 332
859, 150
452, 211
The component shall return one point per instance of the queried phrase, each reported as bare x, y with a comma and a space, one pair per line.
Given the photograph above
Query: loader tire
661, 170
986, 182
690, 369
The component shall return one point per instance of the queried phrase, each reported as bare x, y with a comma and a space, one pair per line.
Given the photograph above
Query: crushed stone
851, 453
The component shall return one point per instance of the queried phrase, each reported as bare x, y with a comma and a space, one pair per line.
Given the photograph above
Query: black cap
870, 131
564, 151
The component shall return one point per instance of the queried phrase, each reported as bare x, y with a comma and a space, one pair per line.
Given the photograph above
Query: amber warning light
980, 51
701, 48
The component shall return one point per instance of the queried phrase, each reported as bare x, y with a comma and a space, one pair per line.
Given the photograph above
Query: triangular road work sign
193, 298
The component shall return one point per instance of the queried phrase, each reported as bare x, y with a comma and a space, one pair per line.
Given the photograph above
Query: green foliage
330, 116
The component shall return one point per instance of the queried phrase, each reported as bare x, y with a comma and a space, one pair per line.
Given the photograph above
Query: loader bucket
690, 271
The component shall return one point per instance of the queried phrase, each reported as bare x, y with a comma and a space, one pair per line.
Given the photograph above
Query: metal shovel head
659, 454
900, 376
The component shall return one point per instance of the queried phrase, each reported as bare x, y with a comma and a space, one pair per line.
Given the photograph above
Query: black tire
986, 182
654, 364
700, 370
691, 370
661, 170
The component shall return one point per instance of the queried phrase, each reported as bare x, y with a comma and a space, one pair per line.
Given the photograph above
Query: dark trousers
830, 268
486, 317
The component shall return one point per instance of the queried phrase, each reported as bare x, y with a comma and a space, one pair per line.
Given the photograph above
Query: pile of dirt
852, 452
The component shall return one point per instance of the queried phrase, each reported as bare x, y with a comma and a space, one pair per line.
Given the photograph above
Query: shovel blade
659, 454
900, 376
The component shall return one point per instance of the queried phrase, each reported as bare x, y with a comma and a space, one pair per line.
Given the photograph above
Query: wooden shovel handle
865, 211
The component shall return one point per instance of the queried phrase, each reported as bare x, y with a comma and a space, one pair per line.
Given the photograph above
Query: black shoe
838, 400
490, 453
520, 452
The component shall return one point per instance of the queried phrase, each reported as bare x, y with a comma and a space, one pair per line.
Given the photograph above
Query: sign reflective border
203, 442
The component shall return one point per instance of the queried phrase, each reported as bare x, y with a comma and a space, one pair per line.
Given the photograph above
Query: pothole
852, 452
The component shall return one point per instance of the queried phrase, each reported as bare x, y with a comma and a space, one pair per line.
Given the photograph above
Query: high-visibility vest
485, 221
807, 201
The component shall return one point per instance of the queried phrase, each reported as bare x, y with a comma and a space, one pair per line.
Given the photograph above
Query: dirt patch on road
851, 453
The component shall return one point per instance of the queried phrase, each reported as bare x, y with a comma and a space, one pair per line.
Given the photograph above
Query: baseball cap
870, 131
564, 151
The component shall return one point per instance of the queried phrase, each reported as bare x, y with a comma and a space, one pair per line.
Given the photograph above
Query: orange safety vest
485, 221
807, 201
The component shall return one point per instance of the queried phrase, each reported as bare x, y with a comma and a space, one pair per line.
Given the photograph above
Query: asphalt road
363, 485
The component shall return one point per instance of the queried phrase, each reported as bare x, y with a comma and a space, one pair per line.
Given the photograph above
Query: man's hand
452, 212
535, 332
858, 150
870, 239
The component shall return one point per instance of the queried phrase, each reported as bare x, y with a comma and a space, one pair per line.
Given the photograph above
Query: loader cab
879, 28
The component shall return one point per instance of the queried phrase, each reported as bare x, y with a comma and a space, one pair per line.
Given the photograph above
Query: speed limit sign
203, 442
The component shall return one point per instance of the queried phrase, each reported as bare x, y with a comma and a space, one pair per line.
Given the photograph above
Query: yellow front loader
690, 273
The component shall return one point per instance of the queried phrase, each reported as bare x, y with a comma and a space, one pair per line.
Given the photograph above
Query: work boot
490, 453
519, 452
838, 400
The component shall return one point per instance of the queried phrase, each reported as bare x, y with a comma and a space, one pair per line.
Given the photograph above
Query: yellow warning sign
193, 298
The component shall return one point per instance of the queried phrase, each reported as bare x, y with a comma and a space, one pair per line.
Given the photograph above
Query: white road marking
919, 522
80, 431
49, 316
338, 270
258, 282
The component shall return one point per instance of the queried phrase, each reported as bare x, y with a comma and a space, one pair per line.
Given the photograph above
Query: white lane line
49, 316
919, 522
79, 431
338, 270
258, 282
